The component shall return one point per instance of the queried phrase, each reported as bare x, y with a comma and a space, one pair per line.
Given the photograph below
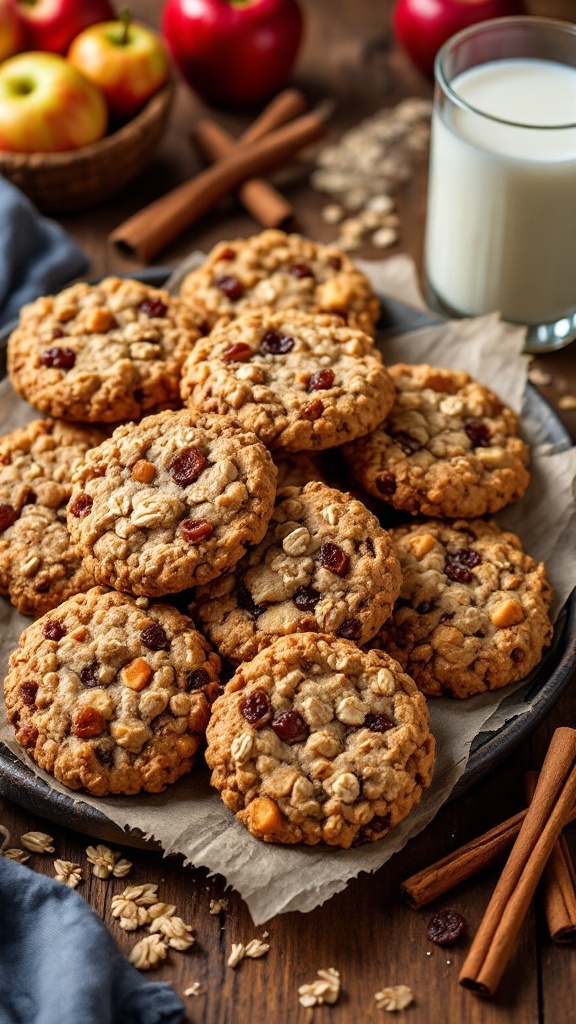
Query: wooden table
366, 932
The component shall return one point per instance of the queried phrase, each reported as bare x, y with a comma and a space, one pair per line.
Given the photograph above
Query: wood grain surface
366, 932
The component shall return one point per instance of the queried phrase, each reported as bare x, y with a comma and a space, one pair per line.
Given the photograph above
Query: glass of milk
501, 219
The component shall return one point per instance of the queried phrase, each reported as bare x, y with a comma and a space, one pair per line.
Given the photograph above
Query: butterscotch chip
97, 713
143, 471
210, 497
102, 353
279, 271
39, 566
448, 447
299, 381
288, 583
291, 762
472, 614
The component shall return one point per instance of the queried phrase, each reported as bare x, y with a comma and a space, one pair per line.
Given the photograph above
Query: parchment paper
190, 818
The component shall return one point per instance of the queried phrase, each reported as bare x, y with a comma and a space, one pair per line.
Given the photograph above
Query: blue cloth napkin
37, 257
59, 964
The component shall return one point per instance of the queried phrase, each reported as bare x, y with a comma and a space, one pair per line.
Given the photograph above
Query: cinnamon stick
465, 862
268, 206
545, 819
150, 230
559, 880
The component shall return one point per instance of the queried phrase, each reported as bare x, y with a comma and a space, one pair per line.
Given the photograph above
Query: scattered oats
149, 952
102, 859
539, 377
193, 989
392, 220
142, 602
16, 854
325, 990
130, 916
385, 237
68, 872
178, 934
333, 213
567, 402
144, 895
352, 228
218, 906
256, 948
347, 243
429, 953
448, 962
381, 205
161, 910
393, 998
237, 953
37, 842
265, 935
4, 832
122, 868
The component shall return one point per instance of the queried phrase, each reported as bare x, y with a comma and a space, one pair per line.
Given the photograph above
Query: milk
501, 223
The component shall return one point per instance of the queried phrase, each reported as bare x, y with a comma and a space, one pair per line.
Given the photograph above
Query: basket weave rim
153, 109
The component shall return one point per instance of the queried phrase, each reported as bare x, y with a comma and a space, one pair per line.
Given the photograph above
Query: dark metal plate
544, 686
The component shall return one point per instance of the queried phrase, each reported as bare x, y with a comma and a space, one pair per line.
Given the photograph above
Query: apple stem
125, 17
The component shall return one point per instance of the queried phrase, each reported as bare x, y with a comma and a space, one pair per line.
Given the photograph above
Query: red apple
46, 105
127, 61
423, 26
233, 52
52, 24
11, 31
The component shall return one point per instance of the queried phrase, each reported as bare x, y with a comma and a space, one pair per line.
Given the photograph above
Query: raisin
386, 483
8, 515
290, 726
138, 394
105, 756
403, 635
334, 559
321, 380
59, 358
230, 286
479, 433
154, 637
276, 343
446, 927
300, 270
335, 262
54, 629
447, 616
186, 467
425, 607
57, 333
153, 307
42, 587
468, 557
28, 693
313, 410
29, 497
460, 563
306, 598
479, 634
378, 723
408, 444
245, 601
341, 313
227, 254
370, 546
89, 675
256, 708
458, 573
28, 735
379, 823
81, 506
351, 629
197, 679
195, 530
238, 353
88, 722
517, 655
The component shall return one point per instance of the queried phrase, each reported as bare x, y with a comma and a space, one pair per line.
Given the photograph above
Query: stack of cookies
334, 627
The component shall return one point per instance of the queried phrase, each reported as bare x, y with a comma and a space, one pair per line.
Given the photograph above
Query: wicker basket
77, 179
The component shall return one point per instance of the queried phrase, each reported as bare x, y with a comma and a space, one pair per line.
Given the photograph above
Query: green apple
126, 60
46, 105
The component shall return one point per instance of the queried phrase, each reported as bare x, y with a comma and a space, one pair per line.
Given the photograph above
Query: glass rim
553, 24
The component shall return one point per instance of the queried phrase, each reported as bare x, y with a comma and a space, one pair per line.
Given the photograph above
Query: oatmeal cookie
299, 381
473, 609
317, 741
111, 694
325, 565
39, 566
170, 502
278, 271
449, 447
102, 353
